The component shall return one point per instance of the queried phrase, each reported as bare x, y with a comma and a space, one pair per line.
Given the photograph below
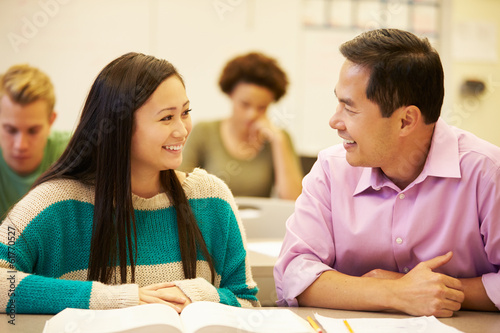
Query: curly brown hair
255, 68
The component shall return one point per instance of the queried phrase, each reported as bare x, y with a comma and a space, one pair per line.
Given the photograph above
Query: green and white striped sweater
45, 243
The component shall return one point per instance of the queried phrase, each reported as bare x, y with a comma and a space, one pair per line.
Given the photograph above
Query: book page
207, 317
386, 325
141, 318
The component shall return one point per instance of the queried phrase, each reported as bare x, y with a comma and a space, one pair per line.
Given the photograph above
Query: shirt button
406, 269
402, 196
377, 188
399, 240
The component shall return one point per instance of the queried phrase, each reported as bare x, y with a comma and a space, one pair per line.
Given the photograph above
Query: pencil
314, 325
348, 326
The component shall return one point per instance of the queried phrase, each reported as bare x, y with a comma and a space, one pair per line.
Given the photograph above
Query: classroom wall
72, 40
475, 55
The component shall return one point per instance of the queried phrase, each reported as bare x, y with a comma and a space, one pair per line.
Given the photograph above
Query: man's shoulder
59, 137
56, 144
471, 145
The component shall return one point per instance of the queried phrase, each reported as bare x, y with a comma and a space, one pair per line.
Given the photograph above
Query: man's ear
52, 117
410, 117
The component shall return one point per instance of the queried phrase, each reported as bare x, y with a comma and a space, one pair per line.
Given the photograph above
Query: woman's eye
185, 113
167, 118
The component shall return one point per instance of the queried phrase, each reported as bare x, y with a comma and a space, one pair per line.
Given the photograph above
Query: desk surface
466, 321
262, 265
262, 270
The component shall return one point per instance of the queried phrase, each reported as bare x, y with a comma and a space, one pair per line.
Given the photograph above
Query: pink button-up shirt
354, 219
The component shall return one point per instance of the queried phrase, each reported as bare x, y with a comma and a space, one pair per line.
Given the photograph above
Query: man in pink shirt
405, 214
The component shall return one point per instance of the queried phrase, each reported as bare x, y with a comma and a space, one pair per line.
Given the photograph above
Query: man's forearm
475, 296
420, 292
336, 290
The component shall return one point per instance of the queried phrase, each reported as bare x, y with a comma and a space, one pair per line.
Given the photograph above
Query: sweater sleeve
22, 292
39, 270
237, 286
234, 284
224, 234
31, 293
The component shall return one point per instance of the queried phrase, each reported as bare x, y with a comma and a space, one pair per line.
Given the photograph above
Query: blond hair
25, 84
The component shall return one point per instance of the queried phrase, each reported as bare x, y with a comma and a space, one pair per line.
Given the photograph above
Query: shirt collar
443, 161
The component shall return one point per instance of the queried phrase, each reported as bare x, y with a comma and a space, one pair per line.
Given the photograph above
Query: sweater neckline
161, 199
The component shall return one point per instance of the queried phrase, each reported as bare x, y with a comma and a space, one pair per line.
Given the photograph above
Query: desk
466, 321
264, 220
262, 271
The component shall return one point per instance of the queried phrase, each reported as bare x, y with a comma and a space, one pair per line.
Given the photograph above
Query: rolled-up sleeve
308, 249
489, 212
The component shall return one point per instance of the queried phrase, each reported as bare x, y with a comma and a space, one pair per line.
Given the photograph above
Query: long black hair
99, 154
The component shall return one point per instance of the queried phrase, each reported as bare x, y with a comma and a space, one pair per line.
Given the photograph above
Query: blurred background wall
72, 40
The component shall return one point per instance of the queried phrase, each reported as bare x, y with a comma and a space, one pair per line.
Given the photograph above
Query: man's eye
10, 130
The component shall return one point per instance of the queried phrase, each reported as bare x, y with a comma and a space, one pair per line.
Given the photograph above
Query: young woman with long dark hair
112, 224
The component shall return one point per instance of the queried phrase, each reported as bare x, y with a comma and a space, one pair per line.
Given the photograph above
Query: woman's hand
263, 130
164, 293
287, 169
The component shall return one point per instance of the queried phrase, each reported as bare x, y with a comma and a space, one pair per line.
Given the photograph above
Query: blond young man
27, 146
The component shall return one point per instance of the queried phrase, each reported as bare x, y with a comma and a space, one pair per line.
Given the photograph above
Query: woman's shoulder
57, 189
201, 184
49, 194
204, 127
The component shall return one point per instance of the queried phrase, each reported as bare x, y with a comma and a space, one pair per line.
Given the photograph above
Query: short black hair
404, 70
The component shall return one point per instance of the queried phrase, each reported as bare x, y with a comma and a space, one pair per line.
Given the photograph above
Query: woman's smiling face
162, 126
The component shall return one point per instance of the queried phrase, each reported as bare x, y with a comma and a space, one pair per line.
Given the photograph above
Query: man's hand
424, 292
164, 293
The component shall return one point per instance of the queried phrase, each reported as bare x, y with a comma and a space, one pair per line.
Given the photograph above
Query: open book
197, 317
